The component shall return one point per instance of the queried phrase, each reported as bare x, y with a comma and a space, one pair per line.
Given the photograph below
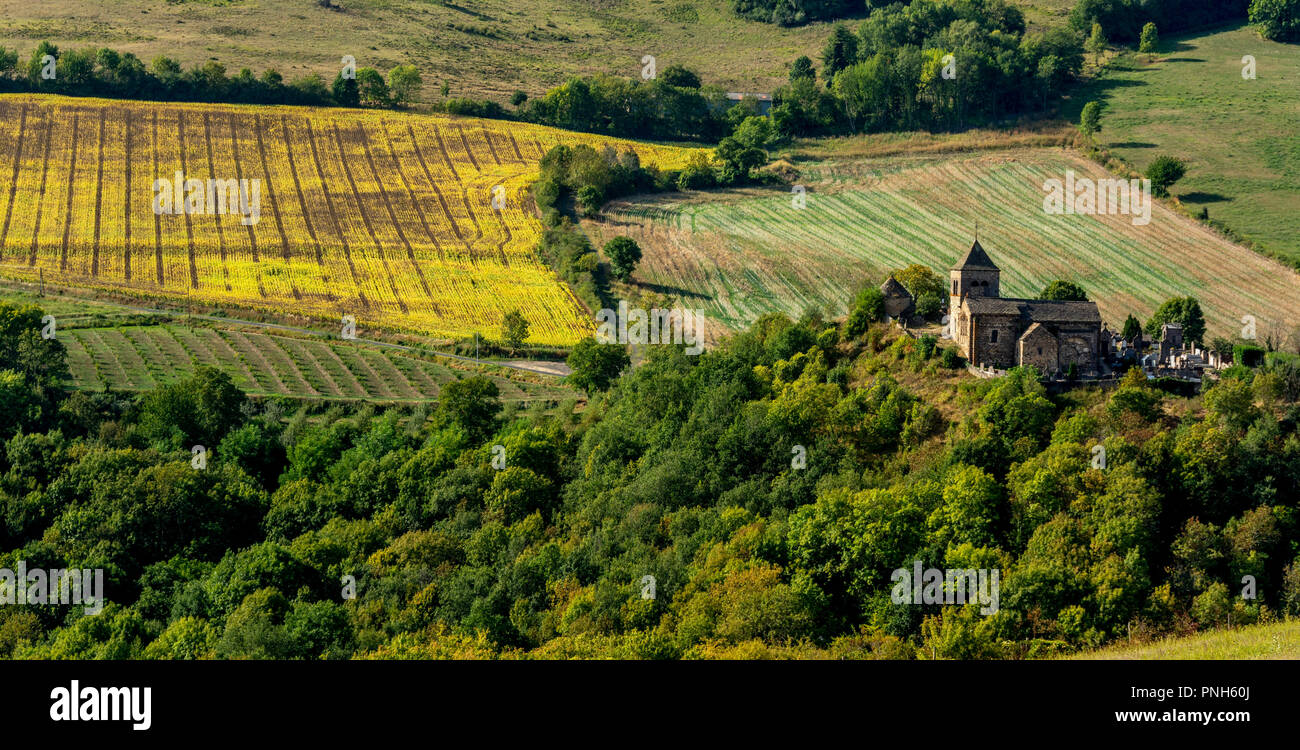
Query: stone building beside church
899, 304
1002, 332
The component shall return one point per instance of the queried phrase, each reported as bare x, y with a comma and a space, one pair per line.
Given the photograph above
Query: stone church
1002, 332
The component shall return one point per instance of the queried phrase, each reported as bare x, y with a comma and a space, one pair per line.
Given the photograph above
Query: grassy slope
138, 354
141, 357
533, 44
737, 254
1237, 135
1276, 641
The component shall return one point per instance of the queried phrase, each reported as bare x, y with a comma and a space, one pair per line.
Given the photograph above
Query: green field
1275, 641
140, 357
1238, 136
738, 254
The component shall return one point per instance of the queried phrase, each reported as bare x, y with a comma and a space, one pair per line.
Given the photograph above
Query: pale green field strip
143, 357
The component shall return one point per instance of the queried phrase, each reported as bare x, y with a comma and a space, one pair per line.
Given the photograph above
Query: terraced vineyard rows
739, 254
142, 357
385, 216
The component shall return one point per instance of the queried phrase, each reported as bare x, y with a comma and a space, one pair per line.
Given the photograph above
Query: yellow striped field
385, 216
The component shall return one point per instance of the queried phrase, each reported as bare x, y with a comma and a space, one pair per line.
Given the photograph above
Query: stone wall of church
1079, 346
900, 306
1041, 352
998, 350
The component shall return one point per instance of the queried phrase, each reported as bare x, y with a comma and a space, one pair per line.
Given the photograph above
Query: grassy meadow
480, 48
1238, 136
141, 357
1273, 641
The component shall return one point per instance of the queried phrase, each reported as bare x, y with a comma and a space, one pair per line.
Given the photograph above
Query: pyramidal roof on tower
894, 288
975, 259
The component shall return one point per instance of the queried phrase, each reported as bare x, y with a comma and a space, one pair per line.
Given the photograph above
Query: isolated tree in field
1163, 172
1132, 328
738, 160
1061, 290
1150, 39
595, 366
514, 329
404, 84
1186, 311
1096, 43
1090, 119
518, 98
1278, 20
623, 254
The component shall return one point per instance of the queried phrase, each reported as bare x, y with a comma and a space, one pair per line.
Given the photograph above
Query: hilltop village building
899, 304
1002, 332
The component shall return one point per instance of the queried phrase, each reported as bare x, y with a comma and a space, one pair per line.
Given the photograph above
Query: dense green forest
769, 486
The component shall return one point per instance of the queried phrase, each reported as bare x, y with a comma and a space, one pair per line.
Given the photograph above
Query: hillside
1248, 173
120, 348
386, 217
738, 254
1276, 641
134, 358
480, 48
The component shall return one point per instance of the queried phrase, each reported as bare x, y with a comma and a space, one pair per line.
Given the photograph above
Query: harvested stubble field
385, 216
134, 358
739, 254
